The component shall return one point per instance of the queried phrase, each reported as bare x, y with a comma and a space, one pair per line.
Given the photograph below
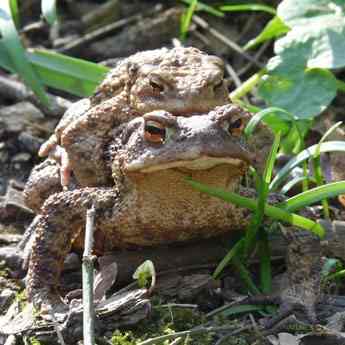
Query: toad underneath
150, 202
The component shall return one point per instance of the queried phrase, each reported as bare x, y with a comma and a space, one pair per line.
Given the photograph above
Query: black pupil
155, 130
236, 124
156, 86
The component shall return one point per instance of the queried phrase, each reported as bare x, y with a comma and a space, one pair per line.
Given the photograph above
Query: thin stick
88, 272
231, 44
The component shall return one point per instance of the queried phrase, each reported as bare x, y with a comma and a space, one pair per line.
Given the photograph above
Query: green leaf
314, 195
5, 60
303, 93
206, 8
10, 41
48, 9
274, 28
270, 211
307, 12
79, 77
302, 156
318, 31
248, 7
144, 273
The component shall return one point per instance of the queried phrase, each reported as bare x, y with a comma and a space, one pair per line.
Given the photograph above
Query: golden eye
156, 86
236, 127
154, 132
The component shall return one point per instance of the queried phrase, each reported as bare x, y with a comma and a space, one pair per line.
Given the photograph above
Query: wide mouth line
201, 163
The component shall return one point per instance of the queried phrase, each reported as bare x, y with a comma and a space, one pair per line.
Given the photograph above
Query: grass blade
302, 156
295, 181
11, 42
270, 211
314, 195
187, 18
48, 9
206, 8
248, 7
274, 28
233, 252
258, 216
15, 12
265, 262
79, 77
271, 118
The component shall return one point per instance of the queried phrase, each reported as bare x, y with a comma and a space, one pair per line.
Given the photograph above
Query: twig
257, 56
235, 78
88, 272
75, 45
231, 44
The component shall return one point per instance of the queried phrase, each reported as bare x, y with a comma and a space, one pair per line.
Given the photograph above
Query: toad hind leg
61, 220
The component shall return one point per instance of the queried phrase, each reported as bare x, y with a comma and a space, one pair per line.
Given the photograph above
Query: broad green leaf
48, 9
302, 156
322, 43
314, 195
305, 94
79, 77
307, 12
318, 31
5, 60
11, 42
206, 8
270, 211
274, 28
248, 7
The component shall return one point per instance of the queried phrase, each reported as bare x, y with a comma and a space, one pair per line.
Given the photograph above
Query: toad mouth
201, 163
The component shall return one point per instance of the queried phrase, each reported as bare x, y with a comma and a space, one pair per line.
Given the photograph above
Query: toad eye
156, 85
235, 127
154, 132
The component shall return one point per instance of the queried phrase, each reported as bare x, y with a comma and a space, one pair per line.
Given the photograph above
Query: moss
164, 320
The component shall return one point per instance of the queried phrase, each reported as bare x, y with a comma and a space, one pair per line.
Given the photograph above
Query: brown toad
182, 81
150, 202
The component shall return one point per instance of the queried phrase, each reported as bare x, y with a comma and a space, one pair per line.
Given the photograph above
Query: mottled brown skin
150, 202
182, 81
